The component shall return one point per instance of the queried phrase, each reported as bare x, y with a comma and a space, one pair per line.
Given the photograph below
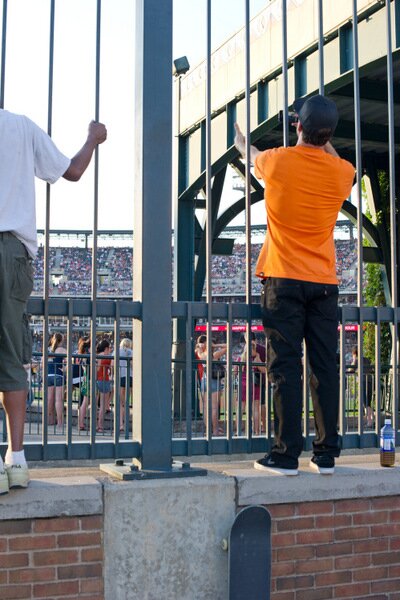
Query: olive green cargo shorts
16, 283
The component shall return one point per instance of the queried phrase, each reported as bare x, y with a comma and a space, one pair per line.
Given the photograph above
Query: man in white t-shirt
26, 152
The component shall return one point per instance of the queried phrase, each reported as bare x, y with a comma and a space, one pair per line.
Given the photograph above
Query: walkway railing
244, 418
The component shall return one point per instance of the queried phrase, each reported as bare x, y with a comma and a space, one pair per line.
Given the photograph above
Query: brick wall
336, 549
52, 558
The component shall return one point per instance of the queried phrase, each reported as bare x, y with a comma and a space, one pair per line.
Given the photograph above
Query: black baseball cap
316, 113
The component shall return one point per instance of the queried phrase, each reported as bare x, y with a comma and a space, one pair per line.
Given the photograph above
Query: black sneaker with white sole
323, 464
275, 463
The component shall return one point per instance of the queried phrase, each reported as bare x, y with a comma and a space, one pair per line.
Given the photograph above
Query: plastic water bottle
388, 444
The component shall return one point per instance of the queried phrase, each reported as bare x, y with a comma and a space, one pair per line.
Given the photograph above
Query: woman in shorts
103, 379
218, 373
125, 373
56, 380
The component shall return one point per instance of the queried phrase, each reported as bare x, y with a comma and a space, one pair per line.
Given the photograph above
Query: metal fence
171, 414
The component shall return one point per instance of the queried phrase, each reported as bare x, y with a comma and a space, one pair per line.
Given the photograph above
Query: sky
26, 90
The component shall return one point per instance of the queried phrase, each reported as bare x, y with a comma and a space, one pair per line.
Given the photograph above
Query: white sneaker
269, 463
18, 476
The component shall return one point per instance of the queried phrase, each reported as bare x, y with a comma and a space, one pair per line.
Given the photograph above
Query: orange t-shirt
304, 191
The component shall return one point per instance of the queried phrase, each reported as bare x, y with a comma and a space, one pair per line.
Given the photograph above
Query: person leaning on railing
368, 387
256, 383
56, 380
217, 374
305, 186
26, 151
125, 382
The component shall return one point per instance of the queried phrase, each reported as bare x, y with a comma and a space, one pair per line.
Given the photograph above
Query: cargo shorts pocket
26, 340
22, 278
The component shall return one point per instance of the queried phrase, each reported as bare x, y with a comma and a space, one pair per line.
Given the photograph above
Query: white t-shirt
123, 364
26, 151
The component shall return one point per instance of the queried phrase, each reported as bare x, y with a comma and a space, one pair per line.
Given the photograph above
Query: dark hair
317, 138
202, 339
84, 345
102, 345
56, 341
253, 337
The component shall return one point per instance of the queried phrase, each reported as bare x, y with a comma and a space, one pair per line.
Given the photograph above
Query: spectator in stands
300, 295
217, 375
256, 383
26, 151
84, 362
368, 385
56, 380
103, 379
125, 374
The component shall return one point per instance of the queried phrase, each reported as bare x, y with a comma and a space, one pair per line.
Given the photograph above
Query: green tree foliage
373, 292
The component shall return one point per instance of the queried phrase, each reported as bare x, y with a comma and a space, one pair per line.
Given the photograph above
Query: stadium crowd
70, 270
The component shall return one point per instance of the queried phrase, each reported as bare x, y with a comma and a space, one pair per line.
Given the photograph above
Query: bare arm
257, 359
240, 143
97, 134
219, 351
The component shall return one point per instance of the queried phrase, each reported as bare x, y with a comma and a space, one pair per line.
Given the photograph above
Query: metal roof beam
374, 91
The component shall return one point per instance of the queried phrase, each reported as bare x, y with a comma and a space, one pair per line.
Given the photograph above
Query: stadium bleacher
70, 270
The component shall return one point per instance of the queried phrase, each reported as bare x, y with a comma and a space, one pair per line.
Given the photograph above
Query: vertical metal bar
378, 369
189, 377
69, 377
46, 255
93, 323
128, 397
392, 196
3, 53
321, 47
357, 123
152, 238
117, 378
342, 380
285, 75
306, 395
249, 369
208, 226
229, 380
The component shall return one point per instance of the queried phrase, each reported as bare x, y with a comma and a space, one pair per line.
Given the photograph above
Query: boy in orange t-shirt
305, 187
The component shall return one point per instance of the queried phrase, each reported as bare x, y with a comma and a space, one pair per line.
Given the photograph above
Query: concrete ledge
53, 497
163, 538
356, 479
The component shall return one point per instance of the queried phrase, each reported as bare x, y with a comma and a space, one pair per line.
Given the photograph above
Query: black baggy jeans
294, 311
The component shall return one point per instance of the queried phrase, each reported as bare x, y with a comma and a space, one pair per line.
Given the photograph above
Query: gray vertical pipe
152, 237
3, 53
249, 386
392, 180
357, 124
69, 376
117, 379
285, 75
208, 225
93, 323
189, 377
321, 47
378, 368
46, 256
229, 379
